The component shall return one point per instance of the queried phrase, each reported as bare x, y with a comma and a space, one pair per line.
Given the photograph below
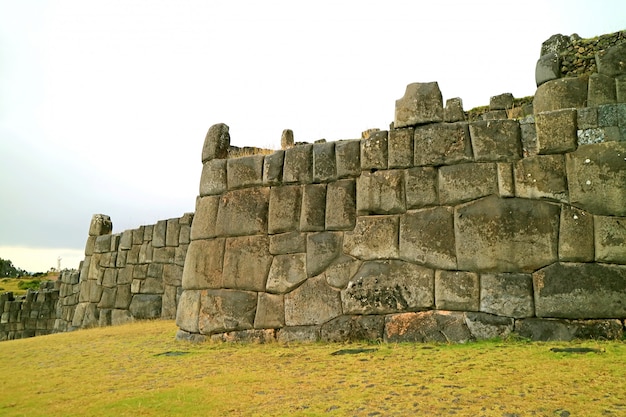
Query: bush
32, 284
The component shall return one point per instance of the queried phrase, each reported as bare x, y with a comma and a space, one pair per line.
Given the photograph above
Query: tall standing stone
216, 143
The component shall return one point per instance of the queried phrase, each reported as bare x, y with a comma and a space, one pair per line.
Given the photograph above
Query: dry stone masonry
438, 229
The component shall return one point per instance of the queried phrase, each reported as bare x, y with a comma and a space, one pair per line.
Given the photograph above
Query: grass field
140, 370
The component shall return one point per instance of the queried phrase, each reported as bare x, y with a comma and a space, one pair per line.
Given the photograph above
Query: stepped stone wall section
436, 230
31, 315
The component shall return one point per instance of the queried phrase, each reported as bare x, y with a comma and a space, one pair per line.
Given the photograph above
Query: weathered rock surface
422, 103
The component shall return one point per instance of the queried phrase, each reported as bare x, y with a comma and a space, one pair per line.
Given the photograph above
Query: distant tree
8, 270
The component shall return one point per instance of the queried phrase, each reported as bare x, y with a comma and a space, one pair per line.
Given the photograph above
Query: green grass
140, 370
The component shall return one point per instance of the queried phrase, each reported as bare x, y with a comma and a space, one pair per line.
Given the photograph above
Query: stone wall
31, 315
437, 229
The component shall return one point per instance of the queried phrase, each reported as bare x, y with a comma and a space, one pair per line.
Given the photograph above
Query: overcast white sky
104, 105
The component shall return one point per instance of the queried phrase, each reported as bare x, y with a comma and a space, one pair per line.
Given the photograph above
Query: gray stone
506, 185
216, 143
286, 273
145, 306
348, 154
380, 192
108, 298
169, 303
546, 330
587, 118
420, 187
453, 112
464, 182
286, 139
245, 172
563, 93
427, 237
556, 131
164, 255
601, 90
125, 275
90, 245
243, 212
188, 311
400, 148
381, 287
422, 103
313, 215
321, 250
548, 68
541, 176
442, 144
506, 235
172, 274
374, 237
341, 205
312, 303
226, 310
126, 240
203, 267
428, 326
501, 102
608, 115
291, 242
284, 209
596, 176
110, 278
138, 235
620, 87
270, 311
119, 317
172, 233
580, 291
611, 62
103, 244
575, 231
145, 253
610, 239
555, 44
374, 152
258, 336
353, 328
324, 162
213, 177
486, 326
529, 135
509, 295
495, 115
341, 271
457, 290
273, 168
152, 286
298, 165
204, 222
299, 334
100, 225
247, 262
496, 140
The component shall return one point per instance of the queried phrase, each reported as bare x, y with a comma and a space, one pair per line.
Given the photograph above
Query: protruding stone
100, 225
381, 287
564, 93
457, 290
501, 102
580, 291
556, 131
506, 235
213, 177
188, 310
286, 139
422, 103
312, 303
442, 144
610, 239
596, 175
373, 237
496, 140
541, 176
548, 68
427, 237
286, 273
464, 182
216, 143
454, 111
509, 295
555, 44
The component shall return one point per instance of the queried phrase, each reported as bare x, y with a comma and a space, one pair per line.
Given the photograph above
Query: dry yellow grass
140, 370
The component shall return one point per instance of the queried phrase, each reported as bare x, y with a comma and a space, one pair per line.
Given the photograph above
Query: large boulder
422, 103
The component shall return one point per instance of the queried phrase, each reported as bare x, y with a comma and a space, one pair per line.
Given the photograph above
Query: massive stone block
509, 295
453, 112
596, 175
341, 271
348, 154
353, 328
313, 303
427, 237
373, 237
273, 168
213, 177
216, 143
321, 250
457, 290
313, 214
203, 226
428, 326
324, 162
422, 103
245, 172
548, 68
496, 140
610, 239
100, 225
270, 311
188, 311
442, 144
145, 306
247, 262
284, 210
172, 232
484, 326
341, 205
203, 267
374, 151
506, 235
577, 291
575, 231
286, 273
602, 90
420, 187
292, 242
541, 176
381, 287
611, 62
243, 212
464, 182
546, 330
298, 166
380, 192
226, 310
563, 93
400, 148
556, 131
